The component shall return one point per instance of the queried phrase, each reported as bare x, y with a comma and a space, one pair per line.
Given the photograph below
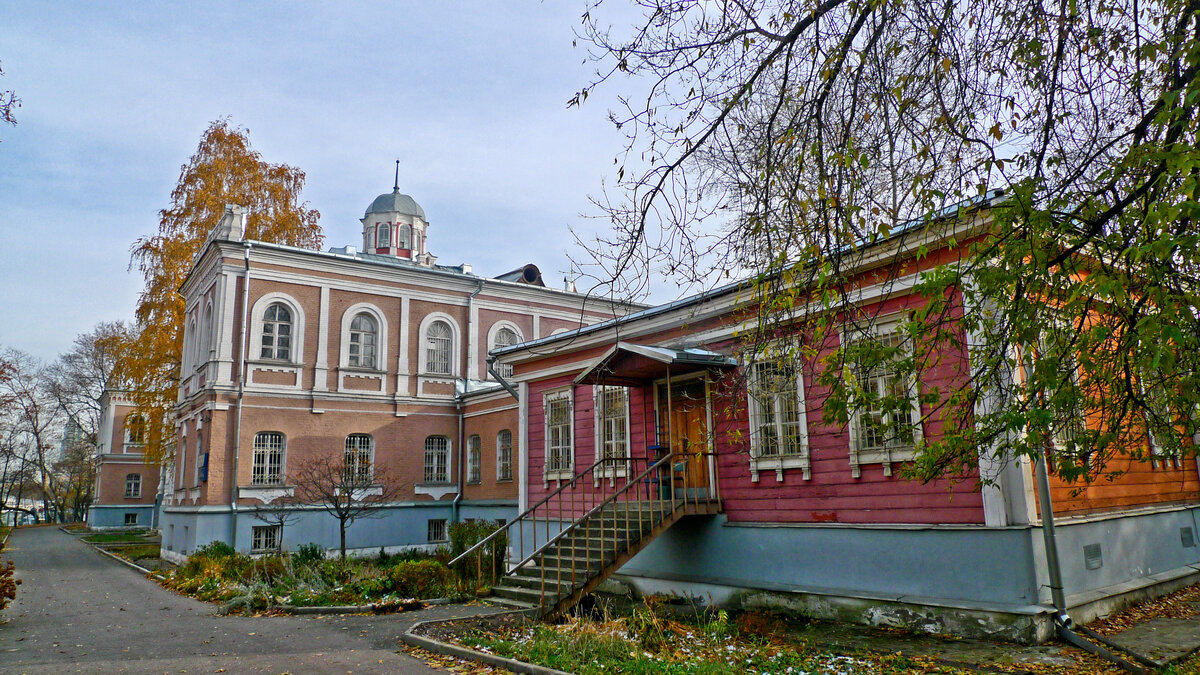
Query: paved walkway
80, 612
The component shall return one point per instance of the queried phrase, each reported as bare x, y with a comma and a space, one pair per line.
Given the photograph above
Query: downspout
491, 362
459, 405
1064, 627
237, 425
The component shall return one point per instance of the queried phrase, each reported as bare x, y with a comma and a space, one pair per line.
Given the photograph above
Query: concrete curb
411, 639
123, 561
370, 608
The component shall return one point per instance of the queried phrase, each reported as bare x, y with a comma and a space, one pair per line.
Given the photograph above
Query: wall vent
1092, 558
1187, 537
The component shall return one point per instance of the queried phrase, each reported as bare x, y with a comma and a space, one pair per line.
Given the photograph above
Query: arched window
206, 335
364, 337
505, 337
437, 460
135, 429
504, 455
133, 485
474, 459
268, 458
383, 238
403, 232
360, 457
438, 341
277, 333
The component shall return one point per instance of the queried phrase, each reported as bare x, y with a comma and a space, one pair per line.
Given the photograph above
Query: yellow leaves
996, 132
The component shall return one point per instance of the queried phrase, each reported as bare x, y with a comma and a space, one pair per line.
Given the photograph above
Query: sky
469, 96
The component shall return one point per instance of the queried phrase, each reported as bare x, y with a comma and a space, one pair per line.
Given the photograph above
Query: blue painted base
102, 517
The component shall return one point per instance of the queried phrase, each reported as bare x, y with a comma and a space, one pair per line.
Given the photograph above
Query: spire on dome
396, 185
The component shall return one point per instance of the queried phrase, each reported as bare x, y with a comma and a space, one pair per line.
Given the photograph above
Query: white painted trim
402, 367
562, 474
598, 430
381, 340
455, 346
321, 368
491, 341
298, 323
778, 463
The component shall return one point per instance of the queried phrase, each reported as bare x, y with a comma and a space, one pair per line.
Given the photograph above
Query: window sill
266, 493
275, 363
504, 480
779, 463
359, 370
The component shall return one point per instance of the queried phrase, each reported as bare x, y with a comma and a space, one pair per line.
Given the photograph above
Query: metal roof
395, 202
630, 364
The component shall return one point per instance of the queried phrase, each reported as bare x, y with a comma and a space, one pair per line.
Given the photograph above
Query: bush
269, 569
214, 550
420, 579
308, 554
8, 584
465, 535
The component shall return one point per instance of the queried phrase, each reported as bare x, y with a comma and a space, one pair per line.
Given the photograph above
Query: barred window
559, 440
268, 458
505, 337
277, 333
885, 423
437, 348
364, 337
264, 538
437, 459
360, 456
133, 485
435, 531
612, 424
775, 410
504, 455
474, 459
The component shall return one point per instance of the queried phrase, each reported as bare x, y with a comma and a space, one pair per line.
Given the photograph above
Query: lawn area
4, 530
130, 537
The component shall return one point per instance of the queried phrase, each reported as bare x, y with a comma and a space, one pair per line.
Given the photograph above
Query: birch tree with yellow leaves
223, 170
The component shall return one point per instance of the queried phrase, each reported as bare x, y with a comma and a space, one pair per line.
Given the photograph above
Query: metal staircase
563, 547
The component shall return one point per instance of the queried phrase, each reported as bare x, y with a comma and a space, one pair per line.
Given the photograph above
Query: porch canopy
628, 365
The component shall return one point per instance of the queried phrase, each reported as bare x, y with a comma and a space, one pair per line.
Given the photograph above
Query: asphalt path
78, 611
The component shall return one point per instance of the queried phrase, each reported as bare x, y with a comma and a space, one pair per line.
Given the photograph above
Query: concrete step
525, 595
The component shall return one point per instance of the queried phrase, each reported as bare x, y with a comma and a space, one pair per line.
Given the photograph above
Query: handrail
595, 509
533, 508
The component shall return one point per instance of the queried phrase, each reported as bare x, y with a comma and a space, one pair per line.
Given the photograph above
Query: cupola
395, 224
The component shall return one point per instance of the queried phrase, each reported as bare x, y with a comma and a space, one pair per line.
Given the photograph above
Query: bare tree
36, 418
80, 377
278, 513
345, 489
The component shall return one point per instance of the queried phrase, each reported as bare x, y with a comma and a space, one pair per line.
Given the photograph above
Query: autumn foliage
224, 170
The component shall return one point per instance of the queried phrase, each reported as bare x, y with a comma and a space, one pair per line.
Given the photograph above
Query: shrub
8, 584
308, 554
420, 579
269, 569
214, 550
465, 535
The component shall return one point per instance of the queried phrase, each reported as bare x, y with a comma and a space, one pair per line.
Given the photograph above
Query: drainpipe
237, 425
459, 405
491, 362
1064, 627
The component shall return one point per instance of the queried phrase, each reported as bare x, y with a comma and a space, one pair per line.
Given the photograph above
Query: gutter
237, 425
458, 402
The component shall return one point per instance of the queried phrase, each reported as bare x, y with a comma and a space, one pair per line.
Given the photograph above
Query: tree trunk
342, 527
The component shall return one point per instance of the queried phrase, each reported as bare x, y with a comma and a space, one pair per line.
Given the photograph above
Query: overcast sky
469, 96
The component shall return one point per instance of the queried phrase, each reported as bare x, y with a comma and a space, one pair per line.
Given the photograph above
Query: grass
136, 553
4, 530
116, 537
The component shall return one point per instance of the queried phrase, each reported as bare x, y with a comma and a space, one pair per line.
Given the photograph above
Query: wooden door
688, 430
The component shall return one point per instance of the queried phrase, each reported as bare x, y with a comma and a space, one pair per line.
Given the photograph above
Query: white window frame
887, 456
601, 427
504, 455
131, 444
131, 521
259, 535
381, 337
504, 369
352, 458
437, 531
403, 236
429, 473
256, 327
199, 457
561, 472
474, 459
133, 485
778, 462
382, 241
423, 337
264, 453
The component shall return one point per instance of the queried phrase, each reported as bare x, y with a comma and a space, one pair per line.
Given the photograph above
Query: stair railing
608, 482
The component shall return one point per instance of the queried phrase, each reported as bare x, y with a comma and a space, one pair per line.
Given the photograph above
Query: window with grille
886, 420
559, 438
505, 337
612, 425
264, 538
360, 454
277, 333
135, 429
437, 460
778, 428
437, 348
133, 485
268, 458
364, 337
435, 531
474, 459
504, 455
